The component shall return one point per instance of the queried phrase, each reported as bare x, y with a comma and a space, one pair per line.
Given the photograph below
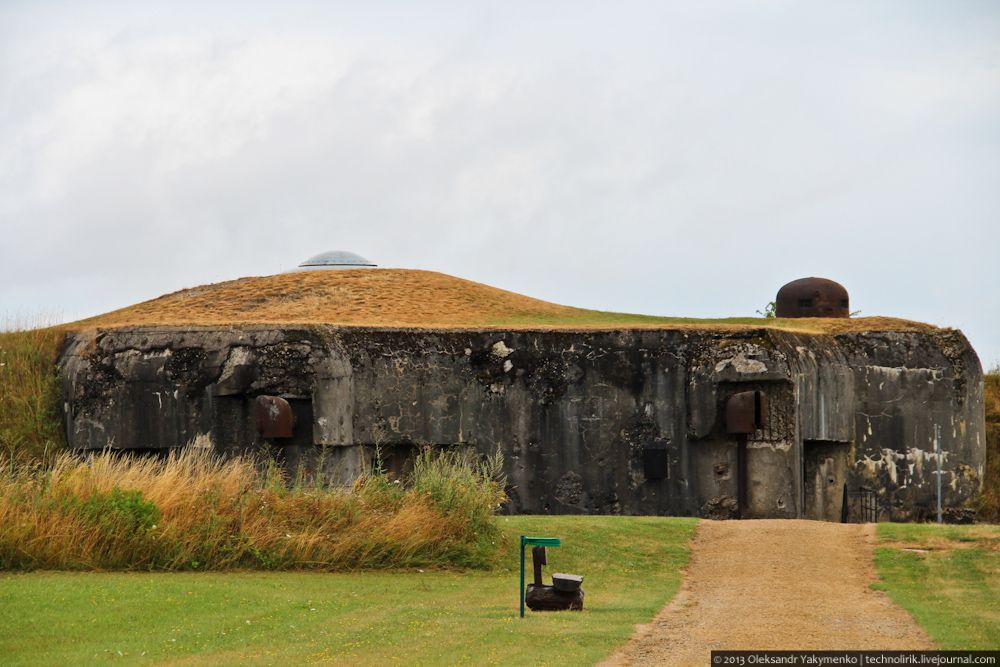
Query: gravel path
774, 584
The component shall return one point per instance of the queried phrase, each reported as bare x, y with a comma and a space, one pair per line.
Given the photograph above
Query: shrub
127, 511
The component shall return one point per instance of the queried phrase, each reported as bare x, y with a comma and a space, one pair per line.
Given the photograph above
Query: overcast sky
682, 158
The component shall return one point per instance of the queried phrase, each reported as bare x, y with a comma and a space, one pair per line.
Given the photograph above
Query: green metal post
521, 590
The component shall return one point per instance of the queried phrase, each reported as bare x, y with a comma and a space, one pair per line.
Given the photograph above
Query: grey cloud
670, 158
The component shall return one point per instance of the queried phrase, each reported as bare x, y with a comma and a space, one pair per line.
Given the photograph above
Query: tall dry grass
193, 510
30, 422
988, 507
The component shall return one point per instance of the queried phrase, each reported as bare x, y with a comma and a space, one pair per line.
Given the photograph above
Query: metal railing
859, 506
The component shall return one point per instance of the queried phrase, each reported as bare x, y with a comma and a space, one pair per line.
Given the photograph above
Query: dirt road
774, 584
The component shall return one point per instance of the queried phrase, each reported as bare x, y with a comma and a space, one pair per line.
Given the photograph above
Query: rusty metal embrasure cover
274, 417
746, 412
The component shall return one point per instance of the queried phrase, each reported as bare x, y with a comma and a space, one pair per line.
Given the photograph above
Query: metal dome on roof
813, 297
335, 259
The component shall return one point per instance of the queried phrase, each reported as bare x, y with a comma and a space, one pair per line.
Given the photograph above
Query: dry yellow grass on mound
389, 297
412, 298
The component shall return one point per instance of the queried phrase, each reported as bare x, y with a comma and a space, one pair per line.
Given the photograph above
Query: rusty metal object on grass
550, 598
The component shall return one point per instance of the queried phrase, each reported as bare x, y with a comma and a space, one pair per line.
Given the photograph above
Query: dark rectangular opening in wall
302, 431
293, 452
654, 460
234, 427
397, 460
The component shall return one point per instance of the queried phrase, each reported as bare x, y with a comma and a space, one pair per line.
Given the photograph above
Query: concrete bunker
609, 421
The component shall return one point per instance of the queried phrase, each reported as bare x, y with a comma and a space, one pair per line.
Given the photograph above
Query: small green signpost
535, 542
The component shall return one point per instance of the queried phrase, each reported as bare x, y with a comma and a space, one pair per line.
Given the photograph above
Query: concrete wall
572, 412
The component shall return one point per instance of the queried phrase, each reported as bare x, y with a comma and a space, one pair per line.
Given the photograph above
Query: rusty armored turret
813, 297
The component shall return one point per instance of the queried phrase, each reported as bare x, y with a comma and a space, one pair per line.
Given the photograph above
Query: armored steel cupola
813, 297
335, 259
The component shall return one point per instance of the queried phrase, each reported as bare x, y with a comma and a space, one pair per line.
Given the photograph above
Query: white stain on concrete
920, 464
742, 364
501, 350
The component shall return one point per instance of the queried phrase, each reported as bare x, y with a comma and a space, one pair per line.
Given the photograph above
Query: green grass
592, 318
953, 588
632, 567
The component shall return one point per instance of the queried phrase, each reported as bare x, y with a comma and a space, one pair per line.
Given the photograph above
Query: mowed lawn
947, 577
632, 566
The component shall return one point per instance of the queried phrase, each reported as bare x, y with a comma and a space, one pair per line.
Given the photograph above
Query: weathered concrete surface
572, 411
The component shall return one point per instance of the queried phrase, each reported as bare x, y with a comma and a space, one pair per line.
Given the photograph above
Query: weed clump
194, 511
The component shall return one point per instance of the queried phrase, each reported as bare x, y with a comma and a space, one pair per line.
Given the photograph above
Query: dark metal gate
859, 506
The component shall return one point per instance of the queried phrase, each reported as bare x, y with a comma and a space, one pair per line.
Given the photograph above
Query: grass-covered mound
411, 298
194, 511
